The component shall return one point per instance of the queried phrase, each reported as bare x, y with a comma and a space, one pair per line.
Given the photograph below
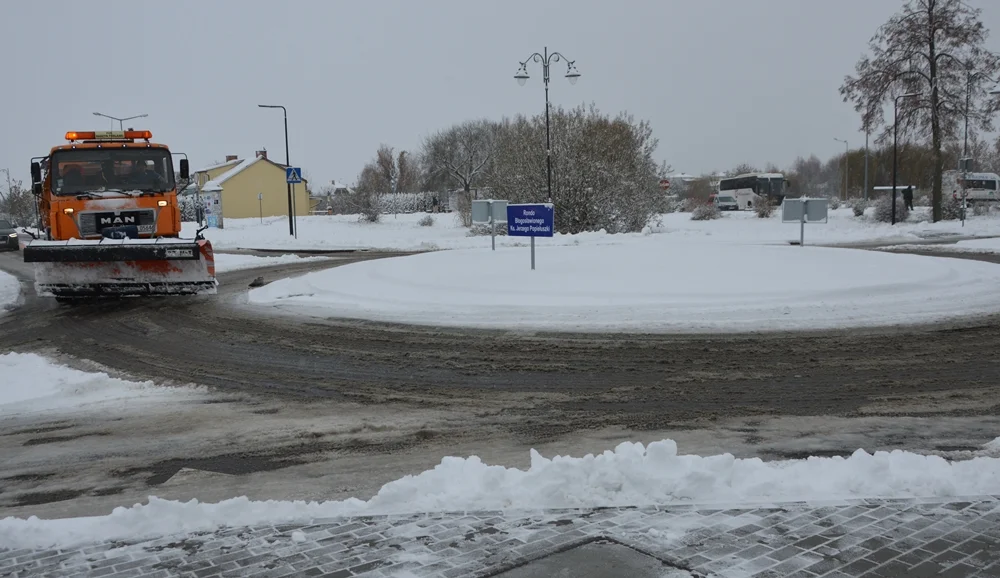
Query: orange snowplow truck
110, 222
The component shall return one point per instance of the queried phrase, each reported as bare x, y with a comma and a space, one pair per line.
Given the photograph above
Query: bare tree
386, 174
700, 189
807, 176
742, 169
17, 201
933, 48
462, 155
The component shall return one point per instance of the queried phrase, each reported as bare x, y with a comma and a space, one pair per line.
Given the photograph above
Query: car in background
8, 235
726, 202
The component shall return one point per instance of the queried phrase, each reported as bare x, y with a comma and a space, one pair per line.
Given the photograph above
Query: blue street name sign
530, 220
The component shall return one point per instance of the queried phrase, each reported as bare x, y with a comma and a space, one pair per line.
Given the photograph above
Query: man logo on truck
117, 220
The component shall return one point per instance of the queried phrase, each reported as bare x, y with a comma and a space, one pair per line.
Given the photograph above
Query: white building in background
682, 177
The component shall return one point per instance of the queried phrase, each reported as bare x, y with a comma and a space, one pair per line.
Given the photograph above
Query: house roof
239, 166
218, 166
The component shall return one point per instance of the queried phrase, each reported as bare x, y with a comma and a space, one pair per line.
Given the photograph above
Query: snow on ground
655, 285
631, 475
404, 233
10, 290
987, 246
225, 262
30, 383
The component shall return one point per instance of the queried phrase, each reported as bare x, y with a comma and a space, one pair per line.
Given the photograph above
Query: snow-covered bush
922, 201
405, 202
426, 221
673, 205
483, 229
883, 210
980, 210
764, 208
858, 206
834, 203
951, 208
705, 213
369, 206
607, 177
690, 204
188, 207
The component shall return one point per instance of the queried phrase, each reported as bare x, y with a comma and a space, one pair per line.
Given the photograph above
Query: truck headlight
161, 203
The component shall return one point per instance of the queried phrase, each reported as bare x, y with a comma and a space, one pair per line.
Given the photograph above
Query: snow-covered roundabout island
654, 286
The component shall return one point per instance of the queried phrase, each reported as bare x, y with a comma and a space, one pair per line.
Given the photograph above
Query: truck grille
92, 223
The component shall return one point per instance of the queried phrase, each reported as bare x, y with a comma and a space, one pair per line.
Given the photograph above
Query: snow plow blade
122, 268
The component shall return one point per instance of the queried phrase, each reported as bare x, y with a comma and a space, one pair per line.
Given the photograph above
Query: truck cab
108, 180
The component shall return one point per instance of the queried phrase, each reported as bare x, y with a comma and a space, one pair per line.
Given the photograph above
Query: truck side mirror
36, 189
36, 173
185, 169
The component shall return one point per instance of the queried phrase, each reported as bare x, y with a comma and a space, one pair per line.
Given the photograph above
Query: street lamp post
895, 131
291, 212
867, 133
847, 165
121, 121
522, 76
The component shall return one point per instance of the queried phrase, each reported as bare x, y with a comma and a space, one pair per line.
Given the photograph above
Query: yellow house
242, 180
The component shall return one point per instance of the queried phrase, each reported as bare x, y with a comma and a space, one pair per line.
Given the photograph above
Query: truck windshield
123, 170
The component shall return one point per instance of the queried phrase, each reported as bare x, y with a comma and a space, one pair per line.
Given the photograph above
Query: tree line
603, 172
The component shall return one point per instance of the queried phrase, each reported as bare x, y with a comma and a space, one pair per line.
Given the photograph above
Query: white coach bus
742, 192
980, 187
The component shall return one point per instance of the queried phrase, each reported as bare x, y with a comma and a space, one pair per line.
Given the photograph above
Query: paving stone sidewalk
877, 538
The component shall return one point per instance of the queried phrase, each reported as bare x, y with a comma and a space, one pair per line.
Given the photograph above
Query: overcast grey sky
721, 81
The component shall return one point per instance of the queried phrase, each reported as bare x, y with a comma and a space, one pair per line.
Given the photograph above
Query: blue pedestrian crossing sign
293, 175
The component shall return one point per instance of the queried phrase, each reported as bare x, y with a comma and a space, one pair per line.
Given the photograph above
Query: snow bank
987, 246
30, 383
345, 232
10, 290
225, 262
631, 475
980, 245
656, 285
403, 232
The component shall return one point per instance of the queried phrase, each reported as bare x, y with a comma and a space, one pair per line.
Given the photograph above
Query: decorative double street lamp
545, 59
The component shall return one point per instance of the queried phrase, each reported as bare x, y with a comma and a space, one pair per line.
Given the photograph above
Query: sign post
804, 210
293, 176
260, 204
531, 221
489, 212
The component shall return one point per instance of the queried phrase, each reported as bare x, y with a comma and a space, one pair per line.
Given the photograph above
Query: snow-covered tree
386, 174
935, 49
16, 201
603, 172
461, 155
